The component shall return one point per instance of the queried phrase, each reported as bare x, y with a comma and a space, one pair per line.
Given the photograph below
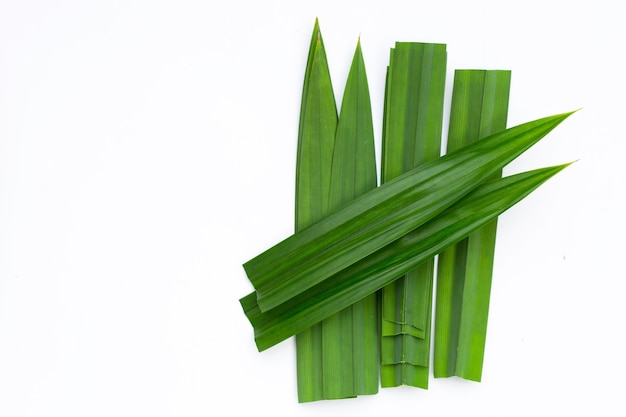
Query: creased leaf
411, 137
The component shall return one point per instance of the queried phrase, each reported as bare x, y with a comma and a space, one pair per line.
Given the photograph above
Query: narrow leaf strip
479, 108
481, 246
368, 275
384, 214
316, 136
350, 337
412, 136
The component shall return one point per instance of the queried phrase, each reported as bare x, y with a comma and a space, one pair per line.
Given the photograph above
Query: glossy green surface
371, 273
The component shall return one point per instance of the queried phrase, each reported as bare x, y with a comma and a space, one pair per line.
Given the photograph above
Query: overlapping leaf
411, 136
384, 214
316, 138
479, 108
367, 275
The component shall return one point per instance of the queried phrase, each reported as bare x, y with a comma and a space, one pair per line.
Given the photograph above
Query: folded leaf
403, 374
390, 328
403, 348
411, 136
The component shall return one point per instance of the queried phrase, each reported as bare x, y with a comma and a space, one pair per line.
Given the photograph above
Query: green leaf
403, 348
479, 108
350, 337
384, 214
390, 328
411, 137
403, 374
413, 107
316, 137
368, 275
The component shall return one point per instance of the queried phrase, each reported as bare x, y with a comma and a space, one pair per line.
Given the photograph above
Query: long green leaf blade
479, 108
385, 214
350, 337
365, 277
412, 136
403, 348
316, 137
481, 246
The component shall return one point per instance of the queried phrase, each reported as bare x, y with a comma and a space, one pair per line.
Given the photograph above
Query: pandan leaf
384, 214
368, 275
411, 137
479, 108
350, 337
403, 374
316, 138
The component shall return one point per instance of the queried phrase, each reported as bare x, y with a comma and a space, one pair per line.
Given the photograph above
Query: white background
147, 150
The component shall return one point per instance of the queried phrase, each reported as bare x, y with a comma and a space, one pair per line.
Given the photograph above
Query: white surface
147, 149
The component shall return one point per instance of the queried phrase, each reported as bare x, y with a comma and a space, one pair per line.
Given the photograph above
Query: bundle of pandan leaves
355, 282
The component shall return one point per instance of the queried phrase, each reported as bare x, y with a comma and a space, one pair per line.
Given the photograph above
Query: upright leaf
338, 240
316, 137
350, 337
411, 137
479, 108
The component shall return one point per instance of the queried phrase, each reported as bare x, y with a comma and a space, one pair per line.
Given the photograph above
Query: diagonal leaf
368, 275
384, 214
